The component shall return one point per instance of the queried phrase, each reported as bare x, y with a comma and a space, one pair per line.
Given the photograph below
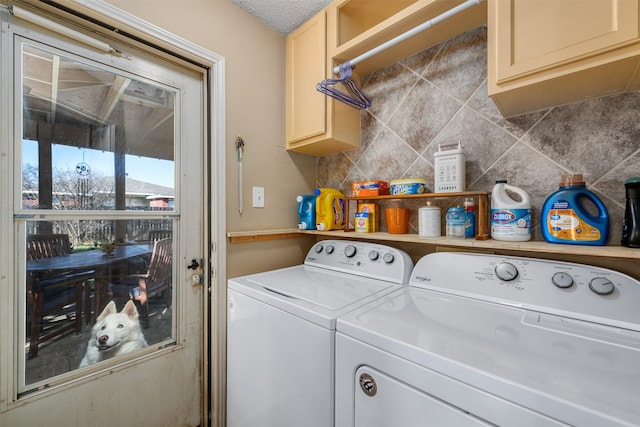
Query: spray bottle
469, 206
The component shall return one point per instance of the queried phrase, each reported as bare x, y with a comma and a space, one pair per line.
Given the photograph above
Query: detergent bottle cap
633, 180
571, 180
317, 192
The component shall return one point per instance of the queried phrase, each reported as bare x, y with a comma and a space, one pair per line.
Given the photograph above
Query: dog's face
113, 329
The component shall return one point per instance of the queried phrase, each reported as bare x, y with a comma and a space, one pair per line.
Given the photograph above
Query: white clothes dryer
493, 340
281, 330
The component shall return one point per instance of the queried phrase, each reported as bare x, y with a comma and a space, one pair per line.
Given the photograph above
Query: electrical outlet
258, 197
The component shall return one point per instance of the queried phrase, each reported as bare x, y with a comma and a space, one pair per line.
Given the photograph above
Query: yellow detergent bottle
330, 209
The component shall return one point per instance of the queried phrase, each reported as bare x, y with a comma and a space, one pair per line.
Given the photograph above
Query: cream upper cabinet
315, 123
550, 52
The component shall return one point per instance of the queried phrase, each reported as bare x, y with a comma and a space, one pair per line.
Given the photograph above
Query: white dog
114, 334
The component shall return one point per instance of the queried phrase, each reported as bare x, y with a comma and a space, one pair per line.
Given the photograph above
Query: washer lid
577, 372
316, 294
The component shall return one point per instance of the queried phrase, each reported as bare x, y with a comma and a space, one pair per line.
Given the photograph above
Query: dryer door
376, 393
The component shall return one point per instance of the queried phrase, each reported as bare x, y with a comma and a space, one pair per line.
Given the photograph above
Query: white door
103, 238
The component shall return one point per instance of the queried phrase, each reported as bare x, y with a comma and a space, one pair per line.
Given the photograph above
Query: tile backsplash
439, 97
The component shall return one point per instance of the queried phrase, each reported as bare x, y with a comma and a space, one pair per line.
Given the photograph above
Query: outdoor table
92, 259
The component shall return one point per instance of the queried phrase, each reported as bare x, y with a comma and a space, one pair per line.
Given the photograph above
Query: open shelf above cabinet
357, 26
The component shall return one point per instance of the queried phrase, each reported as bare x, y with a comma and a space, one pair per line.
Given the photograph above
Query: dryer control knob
601, 286
562, 280
374, 255
329, 249
318, 249
506, 271
350, 251
388, 258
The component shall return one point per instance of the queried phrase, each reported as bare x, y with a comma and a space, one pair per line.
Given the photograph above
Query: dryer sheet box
369, 188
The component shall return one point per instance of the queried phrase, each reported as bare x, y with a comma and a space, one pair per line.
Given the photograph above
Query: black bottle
631, 225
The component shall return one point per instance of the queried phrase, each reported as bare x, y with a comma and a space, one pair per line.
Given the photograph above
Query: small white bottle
429, 221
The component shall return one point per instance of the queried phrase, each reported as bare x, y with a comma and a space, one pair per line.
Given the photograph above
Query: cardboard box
362, 222
369, 188
373, 218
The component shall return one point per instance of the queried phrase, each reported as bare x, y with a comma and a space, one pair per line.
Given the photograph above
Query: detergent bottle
307, 211
631, 223
566, 218
330, 209
510, 218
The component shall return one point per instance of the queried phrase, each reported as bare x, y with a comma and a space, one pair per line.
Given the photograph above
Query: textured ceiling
283, 16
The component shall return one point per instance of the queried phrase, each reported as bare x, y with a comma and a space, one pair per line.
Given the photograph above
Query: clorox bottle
510, 218
566, 217
330, 209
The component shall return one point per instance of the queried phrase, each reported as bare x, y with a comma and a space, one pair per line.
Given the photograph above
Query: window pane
93, 139
74, 272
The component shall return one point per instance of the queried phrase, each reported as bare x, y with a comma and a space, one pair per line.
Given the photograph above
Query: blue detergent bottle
307, 211
567, 219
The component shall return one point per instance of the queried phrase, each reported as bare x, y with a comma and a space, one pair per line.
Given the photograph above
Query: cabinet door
533, 35
306, 60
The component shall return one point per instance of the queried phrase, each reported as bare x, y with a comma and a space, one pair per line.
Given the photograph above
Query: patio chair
160, 234
156, 281
54, 298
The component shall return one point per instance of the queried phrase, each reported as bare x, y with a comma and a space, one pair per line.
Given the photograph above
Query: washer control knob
388, 258
350, 251
374, 255
329, 249
506, 271
562, 280
318, 248
601, 286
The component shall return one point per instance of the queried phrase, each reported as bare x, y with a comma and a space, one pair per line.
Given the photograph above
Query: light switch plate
258, 197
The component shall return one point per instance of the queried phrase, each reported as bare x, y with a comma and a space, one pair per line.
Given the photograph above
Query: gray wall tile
439, 96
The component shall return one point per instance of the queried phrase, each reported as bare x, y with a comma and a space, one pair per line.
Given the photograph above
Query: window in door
96, 215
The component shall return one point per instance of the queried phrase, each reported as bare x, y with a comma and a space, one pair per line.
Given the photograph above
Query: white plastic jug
510, 218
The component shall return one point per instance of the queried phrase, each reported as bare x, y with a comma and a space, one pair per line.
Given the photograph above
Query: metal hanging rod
402, 37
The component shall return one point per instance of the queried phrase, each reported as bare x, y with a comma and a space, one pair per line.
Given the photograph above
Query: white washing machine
493, 340
281, 331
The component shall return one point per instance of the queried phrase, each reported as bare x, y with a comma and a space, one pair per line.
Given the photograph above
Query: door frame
100, 15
